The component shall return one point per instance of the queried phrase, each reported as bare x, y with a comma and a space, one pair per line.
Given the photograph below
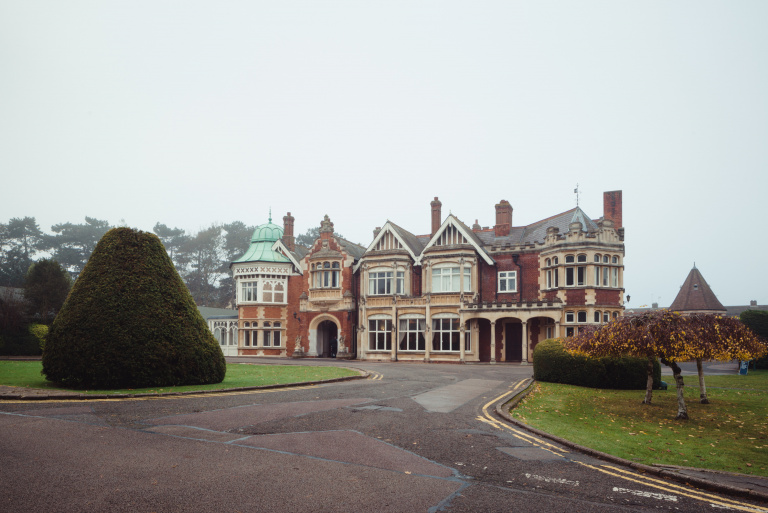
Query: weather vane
576, 192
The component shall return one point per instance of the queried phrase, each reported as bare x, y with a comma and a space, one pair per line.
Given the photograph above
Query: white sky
190, 112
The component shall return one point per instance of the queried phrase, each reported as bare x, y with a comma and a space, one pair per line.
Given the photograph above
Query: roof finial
270, 215
576, 192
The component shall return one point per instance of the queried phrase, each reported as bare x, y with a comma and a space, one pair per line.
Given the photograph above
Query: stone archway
323, 336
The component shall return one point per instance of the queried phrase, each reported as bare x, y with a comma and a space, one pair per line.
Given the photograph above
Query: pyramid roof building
696, 296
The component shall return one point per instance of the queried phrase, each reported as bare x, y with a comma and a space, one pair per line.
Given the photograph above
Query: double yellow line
611, 470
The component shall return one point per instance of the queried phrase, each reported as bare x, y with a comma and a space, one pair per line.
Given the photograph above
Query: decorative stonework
326, 226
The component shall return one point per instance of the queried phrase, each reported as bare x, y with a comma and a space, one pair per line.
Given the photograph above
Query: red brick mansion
459, 293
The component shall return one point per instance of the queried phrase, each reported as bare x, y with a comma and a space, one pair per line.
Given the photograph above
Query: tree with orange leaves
670, 337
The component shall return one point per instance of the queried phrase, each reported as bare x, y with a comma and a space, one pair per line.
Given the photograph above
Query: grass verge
27, 375
730, 433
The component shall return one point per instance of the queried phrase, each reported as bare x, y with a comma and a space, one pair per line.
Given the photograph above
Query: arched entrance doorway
327, 339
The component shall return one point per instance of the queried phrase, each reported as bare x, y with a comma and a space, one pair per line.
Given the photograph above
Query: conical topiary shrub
129, 322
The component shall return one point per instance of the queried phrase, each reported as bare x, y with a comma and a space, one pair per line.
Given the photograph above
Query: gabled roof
279, 247
695, 294
409, 241
468, 234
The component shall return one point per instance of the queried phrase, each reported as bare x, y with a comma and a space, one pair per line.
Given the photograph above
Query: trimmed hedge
552, 363
129, 322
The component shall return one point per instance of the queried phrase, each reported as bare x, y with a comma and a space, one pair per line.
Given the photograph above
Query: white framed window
581, 258
569, 317
381, 282
507, 281
264, 289
597, 258
606, 317
267, 335
615, 277
606, 270
569, 259
597, 317
615, 260
445, 334
597, 276
247, 335
411, 334
446, 279
606, 259
380, 334
248, 291
569, 331
581, 316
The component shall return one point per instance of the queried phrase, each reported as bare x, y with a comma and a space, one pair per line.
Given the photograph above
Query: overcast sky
190, 113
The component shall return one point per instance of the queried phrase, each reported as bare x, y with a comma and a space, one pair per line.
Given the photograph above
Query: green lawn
730, 433
27, 374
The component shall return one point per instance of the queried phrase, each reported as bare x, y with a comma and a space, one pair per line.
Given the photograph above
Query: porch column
461, 339
557, 329
393, 352
493, 341
525, 343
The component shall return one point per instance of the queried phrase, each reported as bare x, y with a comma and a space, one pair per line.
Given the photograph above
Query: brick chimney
288, 239
436, 216
503, 219
612, 208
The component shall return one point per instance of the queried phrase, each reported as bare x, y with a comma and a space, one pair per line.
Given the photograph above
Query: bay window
325, 275
446, 279
382, 282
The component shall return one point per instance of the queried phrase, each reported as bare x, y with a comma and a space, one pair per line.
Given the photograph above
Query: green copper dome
267, 233
260, 250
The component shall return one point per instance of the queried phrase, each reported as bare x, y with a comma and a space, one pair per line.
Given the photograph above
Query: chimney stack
503, 219
612, 208
376, 231
288, 239
436, 216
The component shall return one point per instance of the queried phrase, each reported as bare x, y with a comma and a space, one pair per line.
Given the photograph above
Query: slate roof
695, 294
413, 242
217, 313
356, 250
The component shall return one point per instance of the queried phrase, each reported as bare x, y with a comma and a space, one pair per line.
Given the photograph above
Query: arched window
581, 258
597, 258
615, 260
597, 316
549, 262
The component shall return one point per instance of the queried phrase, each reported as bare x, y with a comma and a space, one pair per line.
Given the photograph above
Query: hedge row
552, 363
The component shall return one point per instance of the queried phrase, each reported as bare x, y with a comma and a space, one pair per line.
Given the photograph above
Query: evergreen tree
130, 322
45, 289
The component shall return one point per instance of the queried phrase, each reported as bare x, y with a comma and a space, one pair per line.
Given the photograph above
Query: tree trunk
702, 385
649, 383
682, 411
